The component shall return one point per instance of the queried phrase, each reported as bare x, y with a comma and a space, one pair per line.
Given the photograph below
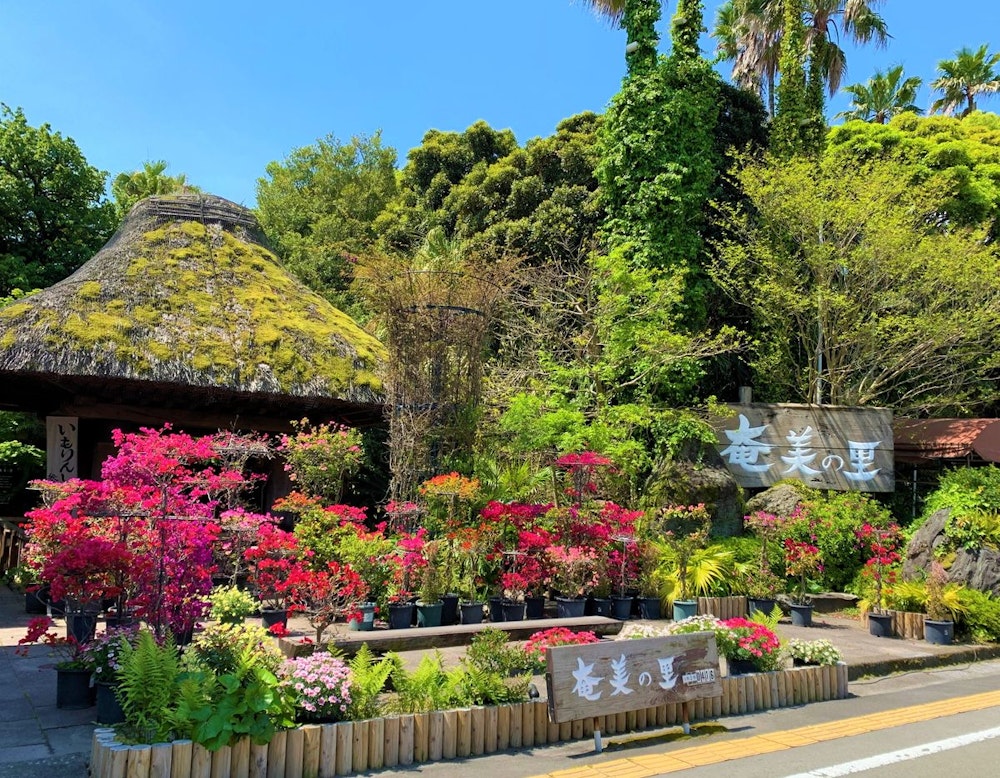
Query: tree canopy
130, 187
53, 212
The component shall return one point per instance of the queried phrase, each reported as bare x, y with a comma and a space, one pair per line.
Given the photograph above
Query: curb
961, 656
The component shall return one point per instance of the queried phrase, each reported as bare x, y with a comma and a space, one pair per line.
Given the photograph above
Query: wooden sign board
621, 675
825, 447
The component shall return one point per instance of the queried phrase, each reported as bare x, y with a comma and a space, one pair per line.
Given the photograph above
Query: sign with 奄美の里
598, 679
825, 447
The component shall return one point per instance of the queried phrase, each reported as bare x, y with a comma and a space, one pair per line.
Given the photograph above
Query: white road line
903, 755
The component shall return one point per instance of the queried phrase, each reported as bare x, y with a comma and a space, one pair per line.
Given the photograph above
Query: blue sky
219, 89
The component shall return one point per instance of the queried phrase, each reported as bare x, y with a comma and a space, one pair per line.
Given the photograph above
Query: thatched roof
187, 295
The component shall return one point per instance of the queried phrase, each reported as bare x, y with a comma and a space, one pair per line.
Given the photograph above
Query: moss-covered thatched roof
187, 294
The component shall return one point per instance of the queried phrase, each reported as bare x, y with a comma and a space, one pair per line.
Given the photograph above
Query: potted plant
432, 585
72, 669
326, 595
685, 531
515, 586
881, 544
23, 579
231, 605
812, 652
103, 655
648, 560
272, 561
761, 584
942, 605
575, 571
801, 560
749, 647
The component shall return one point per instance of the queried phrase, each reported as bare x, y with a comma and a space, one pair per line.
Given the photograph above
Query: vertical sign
61, 447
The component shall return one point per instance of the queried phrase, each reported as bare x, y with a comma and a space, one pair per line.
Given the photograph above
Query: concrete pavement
36, 738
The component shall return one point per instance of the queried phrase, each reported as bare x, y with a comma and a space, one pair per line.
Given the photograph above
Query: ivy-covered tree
53, 212
798, 120
319, 205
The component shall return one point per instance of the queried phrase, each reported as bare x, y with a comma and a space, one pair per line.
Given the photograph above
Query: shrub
534, 649
966, 491
219, 648
148, 689
813, 652
319, 685
231, 605
982, 616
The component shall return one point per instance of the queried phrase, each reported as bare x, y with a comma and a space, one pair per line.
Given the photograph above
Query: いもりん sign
615, 676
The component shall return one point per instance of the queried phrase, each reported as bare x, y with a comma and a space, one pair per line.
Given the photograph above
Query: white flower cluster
813, 652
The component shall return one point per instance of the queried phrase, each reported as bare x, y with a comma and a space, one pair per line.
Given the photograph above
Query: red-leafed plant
801, 560
881, 544
327, 595
276, 562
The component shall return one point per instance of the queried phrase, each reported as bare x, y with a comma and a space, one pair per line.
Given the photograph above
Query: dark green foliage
53, 213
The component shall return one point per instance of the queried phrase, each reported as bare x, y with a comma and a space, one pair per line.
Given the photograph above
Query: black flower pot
880, 625
271, 616
72, 689
109, 708
496, 609
534, 607
570, 607
650, 608
741, 666
762, 604
621, 608
513, 610
802, 615
34, 602
449, 610
599, 606
940, 633
400, 615
471, 612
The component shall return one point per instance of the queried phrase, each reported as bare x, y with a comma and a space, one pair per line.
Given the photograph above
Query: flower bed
350, 747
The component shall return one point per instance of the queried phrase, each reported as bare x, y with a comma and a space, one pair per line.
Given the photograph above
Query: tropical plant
749, 33
943, 598
128, 188
883, 96
970, 75
685, 531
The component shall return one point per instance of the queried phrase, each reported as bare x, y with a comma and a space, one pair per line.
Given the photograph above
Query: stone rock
920, 550
977, 569
690, 483
780, 499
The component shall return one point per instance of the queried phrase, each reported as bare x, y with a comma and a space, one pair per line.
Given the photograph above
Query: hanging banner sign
62, 447
825, 447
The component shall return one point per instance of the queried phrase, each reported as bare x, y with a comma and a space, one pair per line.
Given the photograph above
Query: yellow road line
713, 753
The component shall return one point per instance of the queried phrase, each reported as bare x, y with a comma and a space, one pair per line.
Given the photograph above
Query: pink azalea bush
534, 649
320, 685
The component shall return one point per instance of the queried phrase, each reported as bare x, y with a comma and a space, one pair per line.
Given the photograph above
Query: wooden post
241, 758
201, 762
406, 740
376, 739
577, 732
421, 737
138, 762
345, 747
390, 741
441, 739
180, 758
661, 715
258, 760
631, 720
276, 754
294, 748
160, 759
490, 723
328, 751
504, 727
640, 718
310, 750
463, 741
527, 725
359, 747
118, 761
598, 744
620, 723
222, 763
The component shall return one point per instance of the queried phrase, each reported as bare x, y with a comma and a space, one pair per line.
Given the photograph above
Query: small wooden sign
622, 675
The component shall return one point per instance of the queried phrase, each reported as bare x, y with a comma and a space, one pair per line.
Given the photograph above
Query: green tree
826, 21
856, 297
318, 208
129, 188
749, 34
970, 75
883, 96
798, 121
53, 213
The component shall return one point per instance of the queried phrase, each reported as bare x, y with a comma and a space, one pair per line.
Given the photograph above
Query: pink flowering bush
749, 641
320, 686
534, 649
319, 458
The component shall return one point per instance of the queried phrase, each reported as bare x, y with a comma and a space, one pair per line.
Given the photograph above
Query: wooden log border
350, 747
723, 607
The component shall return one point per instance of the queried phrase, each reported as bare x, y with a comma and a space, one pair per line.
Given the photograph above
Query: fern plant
148, 689
368, 679
428, 687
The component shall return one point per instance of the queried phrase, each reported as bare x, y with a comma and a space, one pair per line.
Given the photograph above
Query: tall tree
826, 21
883, 96
798, 126
749, 33
129, 188
318, 208
970, 75
855, 298
53, 212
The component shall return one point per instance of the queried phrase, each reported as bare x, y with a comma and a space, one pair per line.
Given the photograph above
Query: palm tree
749, 34
970, 74
827, 20
750, 31
883, 96
128, 188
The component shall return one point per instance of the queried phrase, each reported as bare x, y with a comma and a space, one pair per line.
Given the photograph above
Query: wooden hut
184, 316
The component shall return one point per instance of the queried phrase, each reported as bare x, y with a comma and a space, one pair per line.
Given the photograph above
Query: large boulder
975, 568
779, 500
689, 483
